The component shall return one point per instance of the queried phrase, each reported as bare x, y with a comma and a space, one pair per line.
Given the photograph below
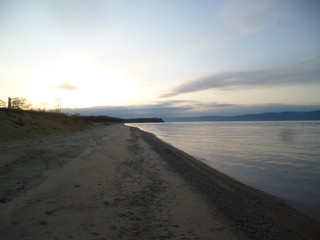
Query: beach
110, 181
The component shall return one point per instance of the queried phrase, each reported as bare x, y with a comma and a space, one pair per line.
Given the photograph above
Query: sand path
102, 183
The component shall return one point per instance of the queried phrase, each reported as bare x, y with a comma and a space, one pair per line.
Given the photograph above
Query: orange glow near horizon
79, 81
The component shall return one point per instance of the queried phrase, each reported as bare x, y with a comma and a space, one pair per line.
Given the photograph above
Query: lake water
280, 158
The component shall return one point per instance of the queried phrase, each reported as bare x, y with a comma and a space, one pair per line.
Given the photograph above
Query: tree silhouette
58, 105
20, 103
2, 104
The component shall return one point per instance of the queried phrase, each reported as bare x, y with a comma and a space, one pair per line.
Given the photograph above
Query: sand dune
18, 124
116, 182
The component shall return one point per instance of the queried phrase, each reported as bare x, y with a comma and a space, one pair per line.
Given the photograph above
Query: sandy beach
110, 181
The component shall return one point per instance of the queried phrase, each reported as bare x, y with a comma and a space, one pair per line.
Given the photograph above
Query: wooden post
9, 102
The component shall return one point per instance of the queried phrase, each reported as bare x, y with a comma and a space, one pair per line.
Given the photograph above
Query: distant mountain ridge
269, 116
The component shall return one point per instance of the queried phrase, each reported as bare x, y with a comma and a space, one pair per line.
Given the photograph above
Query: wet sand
116, 182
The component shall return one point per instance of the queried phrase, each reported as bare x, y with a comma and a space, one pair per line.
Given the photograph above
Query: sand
116, 182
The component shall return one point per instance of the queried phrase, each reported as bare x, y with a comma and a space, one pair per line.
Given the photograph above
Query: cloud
159, 109
303, 72
220, 105
169, 109
67, 85
133, 111
247, 16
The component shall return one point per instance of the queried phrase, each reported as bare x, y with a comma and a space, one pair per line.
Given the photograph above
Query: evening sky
162, 57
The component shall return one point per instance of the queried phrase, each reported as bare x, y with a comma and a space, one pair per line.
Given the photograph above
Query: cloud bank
304, 72
173, 109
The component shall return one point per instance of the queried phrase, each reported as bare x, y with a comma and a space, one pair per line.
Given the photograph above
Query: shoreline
118, 182
263, 160
247, 208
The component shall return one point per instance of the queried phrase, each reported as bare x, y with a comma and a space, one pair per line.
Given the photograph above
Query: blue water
280, 158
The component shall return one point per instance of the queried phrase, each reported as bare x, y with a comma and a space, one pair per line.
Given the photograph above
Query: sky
162, 58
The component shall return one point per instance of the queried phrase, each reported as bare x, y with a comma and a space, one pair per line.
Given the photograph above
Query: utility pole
9, 102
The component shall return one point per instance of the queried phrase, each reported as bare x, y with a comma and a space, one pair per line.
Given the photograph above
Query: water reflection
287, 135
281, 158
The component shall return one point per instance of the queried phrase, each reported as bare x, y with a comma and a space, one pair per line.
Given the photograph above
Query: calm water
280, 158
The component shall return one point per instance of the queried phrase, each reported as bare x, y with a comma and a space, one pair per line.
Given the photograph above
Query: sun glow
82, 82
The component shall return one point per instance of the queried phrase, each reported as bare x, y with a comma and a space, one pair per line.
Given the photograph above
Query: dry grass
19, 124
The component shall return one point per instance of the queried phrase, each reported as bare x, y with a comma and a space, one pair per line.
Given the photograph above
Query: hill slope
270, 116
18, 124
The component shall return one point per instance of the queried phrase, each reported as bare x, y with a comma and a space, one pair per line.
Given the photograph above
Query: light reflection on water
281, 158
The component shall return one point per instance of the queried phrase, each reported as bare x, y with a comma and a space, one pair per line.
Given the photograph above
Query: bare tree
20, 103
58, 105
3, 104
42, 106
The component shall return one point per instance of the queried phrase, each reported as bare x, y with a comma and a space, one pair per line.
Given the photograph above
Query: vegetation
2, 104
143, 120
22, 104
120, 120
